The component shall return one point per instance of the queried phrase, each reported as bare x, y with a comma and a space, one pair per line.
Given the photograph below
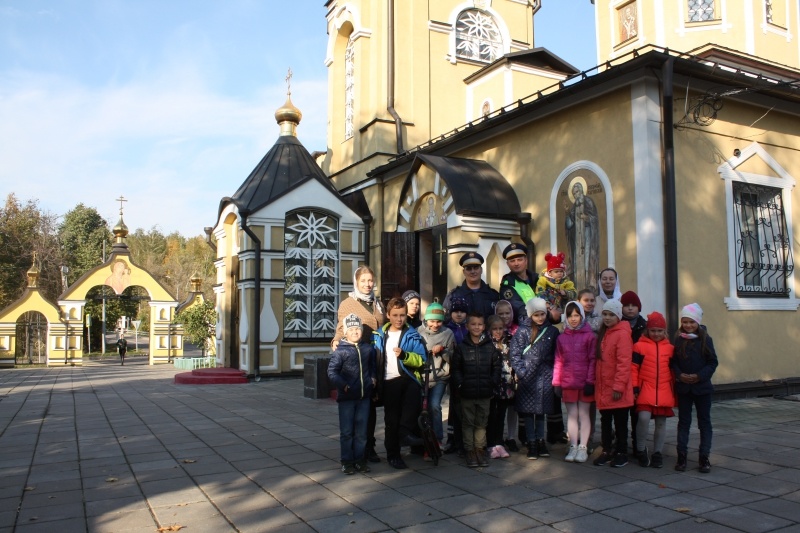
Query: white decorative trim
727, 172
439, 27
302, 352
469, 224
337, 18
275, 362
501, 27
600, 173
648, 196
244, 357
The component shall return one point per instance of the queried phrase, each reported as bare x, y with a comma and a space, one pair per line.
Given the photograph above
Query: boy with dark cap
413, 303
631, 309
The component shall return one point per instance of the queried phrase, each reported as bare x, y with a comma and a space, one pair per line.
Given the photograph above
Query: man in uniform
479, 296
519, 285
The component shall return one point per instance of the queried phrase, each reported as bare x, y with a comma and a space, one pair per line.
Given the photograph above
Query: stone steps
211, 376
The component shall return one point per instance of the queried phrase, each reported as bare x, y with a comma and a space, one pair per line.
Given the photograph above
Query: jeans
435, 395
353, 416
702, 403
534, 427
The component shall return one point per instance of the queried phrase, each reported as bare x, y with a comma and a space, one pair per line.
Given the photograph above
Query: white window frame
781, 180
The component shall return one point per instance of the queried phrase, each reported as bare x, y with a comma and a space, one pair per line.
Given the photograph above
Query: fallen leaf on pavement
111, 479
683, 510
187, 461
174, 527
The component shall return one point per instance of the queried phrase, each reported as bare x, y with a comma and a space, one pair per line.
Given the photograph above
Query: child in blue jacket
352, 371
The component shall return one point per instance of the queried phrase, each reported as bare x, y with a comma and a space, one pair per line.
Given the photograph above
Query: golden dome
288, 117
120, 230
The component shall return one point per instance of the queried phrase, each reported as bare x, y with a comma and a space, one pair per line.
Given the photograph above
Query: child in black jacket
693, 363
475, 374
352, 371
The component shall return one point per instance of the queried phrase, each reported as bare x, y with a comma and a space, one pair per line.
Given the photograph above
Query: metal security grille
763, 251
700, 10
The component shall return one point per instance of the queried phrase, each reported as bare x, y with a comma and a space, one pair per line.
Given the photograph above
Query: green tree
25, 229
198, 323
82, 234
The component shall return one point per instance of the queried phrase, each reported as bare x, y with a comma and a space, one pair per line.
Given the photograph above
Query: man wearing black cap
479, 296
519, 285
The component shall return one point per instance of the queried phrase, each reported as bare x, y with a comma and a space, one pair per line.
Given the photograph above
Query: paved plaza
106, 448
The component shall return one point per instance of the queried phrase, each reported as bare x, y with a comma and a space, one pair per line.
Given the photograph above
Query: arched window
311, 273
349, 88
477, 36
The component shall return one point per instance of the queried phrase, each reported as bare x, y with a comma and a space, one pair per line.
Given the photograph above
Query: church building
451, 129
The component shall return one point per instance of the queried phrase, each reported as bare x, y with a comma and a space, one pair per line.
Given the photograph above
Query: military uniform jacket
518, 292
483, 300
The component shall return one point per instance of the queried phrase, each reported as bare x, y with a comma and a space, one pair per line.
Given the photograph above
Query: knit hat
459, 304
656, 320
352, 321
410, 295
615, 306
535, 304
555, 261
693, 311
631, 298
435, 311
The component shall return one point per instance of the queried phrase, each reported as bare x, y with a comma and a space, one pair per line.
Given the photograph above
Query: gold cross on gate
120, 200
441, 252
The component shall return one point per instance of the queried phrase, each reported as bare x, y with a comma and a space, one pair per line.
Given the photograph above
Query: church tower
403, 72
731, 31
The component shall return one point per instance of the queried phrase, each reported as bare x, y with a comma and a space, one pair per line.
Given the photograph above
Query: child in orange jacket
653, 388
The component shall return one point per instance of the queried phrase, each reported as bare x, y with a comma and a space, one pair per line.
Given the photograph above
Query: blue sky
170, 103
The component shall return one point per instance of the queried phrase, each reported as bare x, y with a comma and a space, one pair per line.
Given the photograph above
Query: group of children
611, 360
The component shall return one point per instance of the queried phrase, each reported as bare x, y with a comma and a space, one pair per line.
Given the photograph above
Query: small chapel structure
452, 130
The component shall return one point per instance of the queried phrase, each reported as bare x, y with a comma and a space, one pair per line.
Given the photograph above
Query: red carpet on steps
211, 376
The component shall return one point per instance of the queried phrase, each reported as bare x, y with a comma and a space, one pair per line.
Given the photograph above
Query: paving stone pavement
107, 448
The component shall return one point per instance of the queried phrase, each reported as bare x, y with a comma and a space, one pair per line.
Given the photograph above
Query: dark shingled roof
285, 167
477, 188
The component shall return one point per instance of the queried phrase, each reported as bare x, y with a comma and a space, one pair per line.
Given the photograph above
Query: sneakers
427, 457
494, 454
643, 457
656, 460
620, 460
533, 451
583, 454
543, 452
573, 451
603, 459
348, 469
398, 463
680, 464
705, 464
363, 467
511, 445
501, 451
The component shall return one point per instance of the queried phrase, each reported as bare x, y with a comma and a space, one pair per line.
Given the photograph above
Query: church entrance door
416, 261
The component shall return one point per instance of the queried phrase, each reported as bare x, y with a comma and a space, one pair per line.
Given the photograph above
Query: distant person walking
122, 346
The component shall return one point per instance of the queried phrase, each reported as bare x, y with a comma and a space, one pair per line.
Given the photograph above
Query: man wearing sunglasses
479, 296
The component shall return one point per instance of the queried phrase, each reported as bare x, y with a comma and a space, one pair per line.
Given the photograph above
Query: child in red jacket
613, 389
652, 386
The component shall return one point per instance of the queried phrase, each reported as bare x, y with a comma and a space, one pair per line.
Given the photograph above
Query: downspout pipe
398, 122
670, 201
257, 300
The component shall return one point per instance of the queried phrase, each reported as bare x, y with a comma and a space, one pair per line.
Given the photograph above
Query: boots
680, 464
481, 457
533, 450
472, 459
705, 464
